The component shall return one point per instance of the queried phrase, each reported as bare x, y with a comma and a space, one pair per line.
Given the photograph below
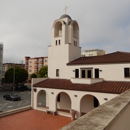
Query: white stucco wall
110, 72
75, 101
59, 55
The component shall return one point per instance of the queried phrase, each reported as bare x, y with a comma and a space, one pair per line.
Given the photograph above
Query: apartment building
7, 66
92, 52
33, 65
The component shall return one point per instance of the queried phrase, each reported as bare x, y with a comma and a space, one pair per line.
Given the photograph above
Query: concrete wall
113, 115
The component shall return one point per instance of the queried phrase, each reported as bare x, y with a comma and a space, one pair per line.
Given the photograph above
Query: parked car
27, 86
12, 97
21, 87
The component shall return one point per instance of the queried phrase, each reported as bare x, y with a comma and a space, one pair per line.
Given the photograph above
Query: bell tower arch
64, 46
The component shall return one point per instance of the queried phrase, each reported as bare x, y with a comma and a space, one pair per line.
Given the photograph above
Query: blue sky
25, 26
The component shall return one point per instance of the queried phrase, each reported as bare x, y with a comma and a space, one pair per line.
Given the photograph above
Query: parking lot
6, 105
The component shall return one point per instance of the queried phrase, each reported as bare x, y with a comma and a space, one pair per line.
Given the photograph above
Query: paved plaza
33, 120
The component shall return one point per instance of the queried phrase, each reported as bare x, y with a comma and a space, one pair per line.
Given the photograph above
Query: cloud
25, 26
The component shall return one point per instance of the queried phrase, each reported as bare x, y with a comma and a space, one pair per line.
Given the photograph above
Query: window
90, 54
58, 98
59, 42
40, 65
126, 72
89, 73
35, 70
57, 72
40, 60
83, 73
56, 42
96, 73
95, 102
76, 73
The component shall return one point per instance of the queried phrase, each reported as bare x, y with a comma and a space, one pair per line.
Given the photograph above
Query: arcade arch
42, 99
63, 102
88, 103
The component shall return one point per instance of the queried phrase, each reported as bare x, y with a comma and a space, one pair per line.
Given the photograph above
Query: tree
43, 72
21, 75
33, 76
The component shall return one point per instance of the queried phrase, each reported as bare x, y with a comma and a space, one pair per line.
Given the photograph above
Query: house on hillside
75, 82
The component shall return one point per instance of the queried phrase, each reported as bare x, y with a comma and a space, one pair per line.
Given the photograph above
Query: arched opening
63, 102
42, 99
88, 103
75, 30
58, 29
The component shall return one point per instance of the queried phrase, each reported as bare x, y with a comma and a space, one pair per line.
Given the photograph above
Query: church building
75, 82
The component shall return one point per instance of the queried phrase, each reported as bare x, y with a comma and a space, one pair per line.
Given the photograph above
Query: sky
25, 25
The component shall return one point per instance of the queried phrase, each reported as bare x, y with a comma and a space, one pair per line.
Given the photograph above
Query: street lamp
14, 78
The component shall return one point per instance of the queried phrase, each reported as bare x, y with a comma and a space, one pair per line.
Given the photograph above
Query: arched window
75, 30
58, 29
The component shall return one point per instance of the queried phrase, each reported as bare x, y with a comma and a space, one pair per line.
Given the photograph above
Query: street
6, 105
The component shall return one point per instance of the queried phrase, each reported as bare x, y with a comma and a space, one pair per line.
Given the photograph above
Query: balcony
86, 80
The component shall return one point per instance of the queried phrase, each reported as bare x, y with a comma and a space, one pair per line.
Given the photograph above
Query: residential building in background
93, 52
7, 66
33, 65
1, 59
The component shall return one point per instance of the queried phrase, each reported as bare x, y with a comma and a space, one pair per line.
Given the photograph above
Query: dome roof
65, 16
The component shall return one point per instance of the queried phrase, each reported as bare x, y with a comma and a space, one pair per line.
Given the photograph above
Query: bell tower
64, 46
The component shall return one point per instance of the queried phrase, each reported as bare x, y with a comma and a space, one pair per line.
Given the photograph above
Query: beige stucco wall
75, 101
59, 55
110, 72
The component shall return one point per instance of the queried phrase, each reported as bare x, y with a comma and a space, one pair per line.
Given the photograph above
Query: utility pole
21, 62
14, 79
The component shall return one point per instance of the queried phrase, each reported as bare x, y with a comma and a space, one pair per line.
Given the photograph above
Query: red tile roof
104, 87
116, 57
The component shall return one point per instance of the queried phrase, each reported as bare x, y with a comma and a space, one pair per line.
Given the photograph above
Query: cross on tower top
65, 9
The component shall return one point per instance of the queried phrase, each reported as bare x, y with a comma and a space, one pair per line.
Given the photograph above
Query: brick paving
33, 120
